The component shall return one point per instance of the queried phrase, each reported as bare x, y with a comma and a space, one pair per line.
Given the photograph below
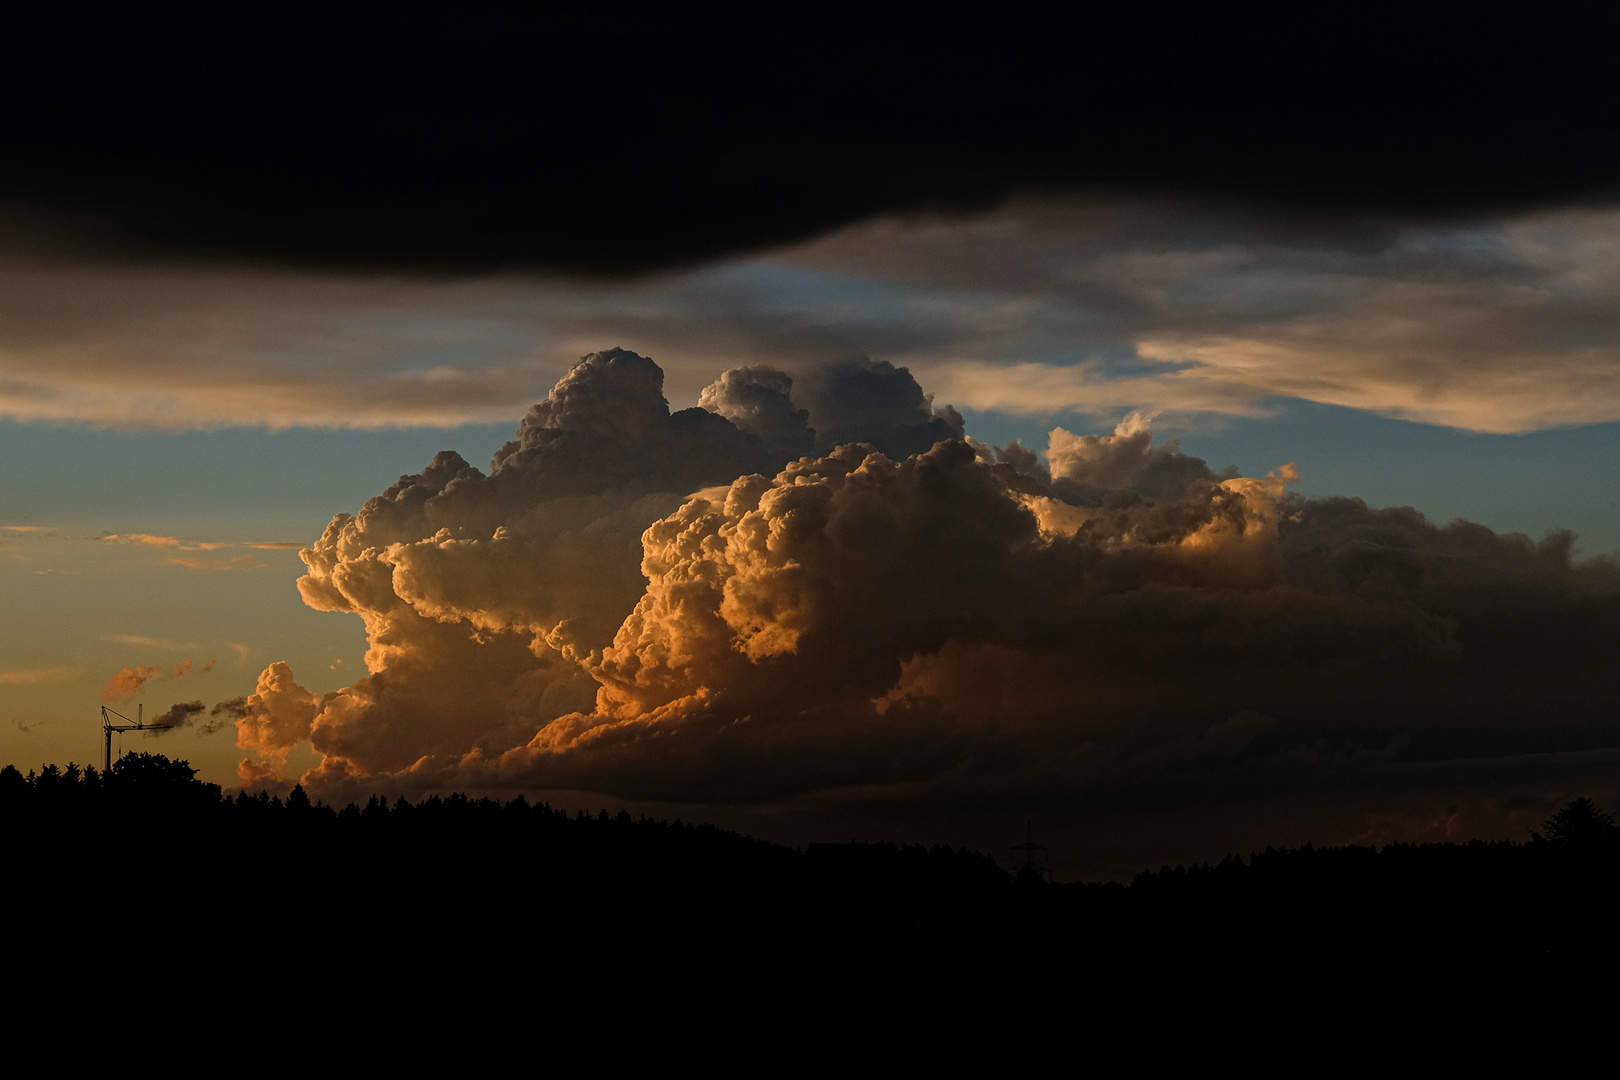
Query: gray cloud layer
1039, 307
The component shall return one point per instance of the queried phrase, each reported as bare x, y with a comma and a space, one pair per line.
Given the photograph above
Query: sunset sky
1214, 275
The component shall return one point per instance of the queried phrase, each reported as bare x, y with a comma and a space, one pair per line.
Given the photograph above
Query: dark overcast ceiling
615, 144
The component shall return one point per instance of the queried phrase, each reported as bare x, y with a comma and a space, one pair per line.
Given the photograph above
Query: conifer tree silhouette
1580, 825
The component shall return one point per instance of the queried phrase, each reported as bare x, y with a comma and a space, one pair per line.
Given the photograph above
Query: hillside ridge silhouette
148, 839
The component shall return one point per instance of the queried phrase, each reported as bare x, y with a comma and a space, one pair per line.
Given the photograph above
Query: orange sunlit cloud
239, 562
143, 539
176, 543
128, 682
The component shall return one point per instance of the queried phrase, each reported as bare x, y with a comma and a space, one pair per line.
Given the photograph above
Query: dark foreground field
148, 863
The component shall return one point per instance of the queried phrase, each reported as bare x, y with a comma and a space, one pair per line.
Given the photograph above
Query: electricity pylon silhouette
1030, 871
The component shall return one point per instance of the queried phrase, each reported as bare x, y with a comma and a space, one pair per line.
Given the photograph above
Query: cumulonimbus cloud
724, 604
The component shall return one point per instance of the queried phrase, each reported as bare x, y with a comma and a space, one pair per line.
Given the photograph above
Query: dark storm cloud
874, 402
619, 142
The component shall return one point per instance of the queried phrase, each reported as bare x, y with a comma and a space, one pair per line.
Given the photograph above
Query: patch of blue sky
232, 484
1262, 288
1113, 362
1483, 247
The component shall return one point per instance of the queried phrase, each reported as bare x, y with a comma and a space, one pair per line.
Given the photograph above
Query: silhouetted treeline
1478, 906
151, 841
147, 841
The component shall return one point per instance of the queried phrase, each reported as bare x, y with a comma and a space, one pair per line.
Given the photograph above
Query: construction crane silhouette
1031, 871
108, 727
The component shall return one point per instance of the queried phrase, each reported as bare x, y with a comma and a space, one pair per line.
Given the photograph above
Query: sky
1190, 435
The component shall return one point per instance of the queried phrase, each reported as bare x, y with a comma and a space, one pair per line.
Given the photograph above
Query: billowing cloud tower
818, 583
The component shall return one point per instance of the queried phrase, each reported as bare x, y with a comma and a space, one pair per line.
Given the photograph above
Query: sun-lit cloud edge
169, 545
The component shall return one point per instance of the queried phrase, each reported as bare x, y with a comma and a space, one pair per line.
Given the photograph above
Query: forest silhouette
146, 840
